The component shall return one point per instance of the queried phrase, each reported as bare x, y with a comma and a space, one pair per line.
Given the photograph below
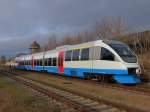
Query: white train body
97, 59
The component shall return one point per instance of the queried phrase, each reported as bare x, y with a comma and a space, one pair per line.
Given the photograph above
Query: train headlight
138, 71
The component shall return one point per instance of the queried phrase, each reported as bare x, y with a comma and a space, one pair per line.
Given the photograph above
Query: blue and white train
102, 59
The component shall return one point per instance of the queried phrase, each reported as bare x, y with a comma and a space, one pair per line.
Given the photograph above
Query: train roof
69, 47
113, 42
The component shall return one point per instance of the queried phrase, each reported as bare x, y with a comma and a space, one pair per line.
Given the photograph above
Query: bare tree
110, 28
52, 42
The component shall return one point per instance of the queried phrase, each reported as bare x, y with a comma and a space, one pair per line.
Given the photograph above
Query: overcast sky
22, 21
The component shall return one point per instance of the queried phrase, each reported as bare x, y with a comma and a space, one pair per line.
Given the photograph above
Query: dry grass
16, 98
132, 99
144, 60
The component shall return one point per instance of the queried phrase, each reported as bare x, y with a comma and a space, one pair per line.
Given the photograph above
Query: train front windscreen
125, 53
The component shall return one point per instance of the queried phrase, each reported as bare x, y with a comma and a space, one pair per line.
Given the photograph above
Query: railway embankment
78, 102
83, 87
18, 98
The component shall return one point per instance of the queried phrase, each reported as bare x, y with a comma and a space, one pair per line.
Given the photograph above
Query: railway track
141, 89
138, 89
78, 101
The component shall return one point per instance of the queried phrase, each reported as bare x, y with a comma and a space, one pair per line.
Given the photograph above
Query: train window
29, 62
45, 62
37, 62
107, 55
75, 56
41, 62
68, 55
54, 62
49, 61
34, 62
85, 54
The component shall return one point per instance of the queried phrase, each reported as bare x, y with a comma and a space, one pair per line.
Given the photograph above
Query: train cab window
68, 55
75, 56
54, 62
85, 54
107, 55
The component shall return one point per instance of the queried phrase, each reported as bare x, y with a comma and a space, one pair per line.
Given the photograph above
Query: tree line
107, 28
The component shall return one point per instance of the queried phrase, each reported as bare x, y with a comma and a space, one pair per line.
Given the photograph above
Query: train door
61, 62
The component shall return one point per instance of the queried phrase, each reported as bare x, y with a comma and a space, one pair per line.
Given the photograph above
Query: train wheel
100, 78
86, 76
103, 78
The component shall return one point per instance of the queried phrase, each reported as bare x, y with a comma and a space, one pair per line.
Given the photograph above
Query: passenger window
41, 62
54, 62
30, 62
76, 54
49, 61
45, 62
68, 55
27, 62
107, 55
34, 62
38, 62
85, 54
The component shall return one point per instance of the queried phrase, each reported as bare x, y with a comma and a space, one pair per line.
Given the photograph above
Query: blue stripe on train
51, 69
80, 71
121, 76
74, 71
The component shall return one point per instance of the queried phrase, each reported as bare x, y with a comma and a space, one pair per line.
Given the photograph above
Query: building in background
35, 47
